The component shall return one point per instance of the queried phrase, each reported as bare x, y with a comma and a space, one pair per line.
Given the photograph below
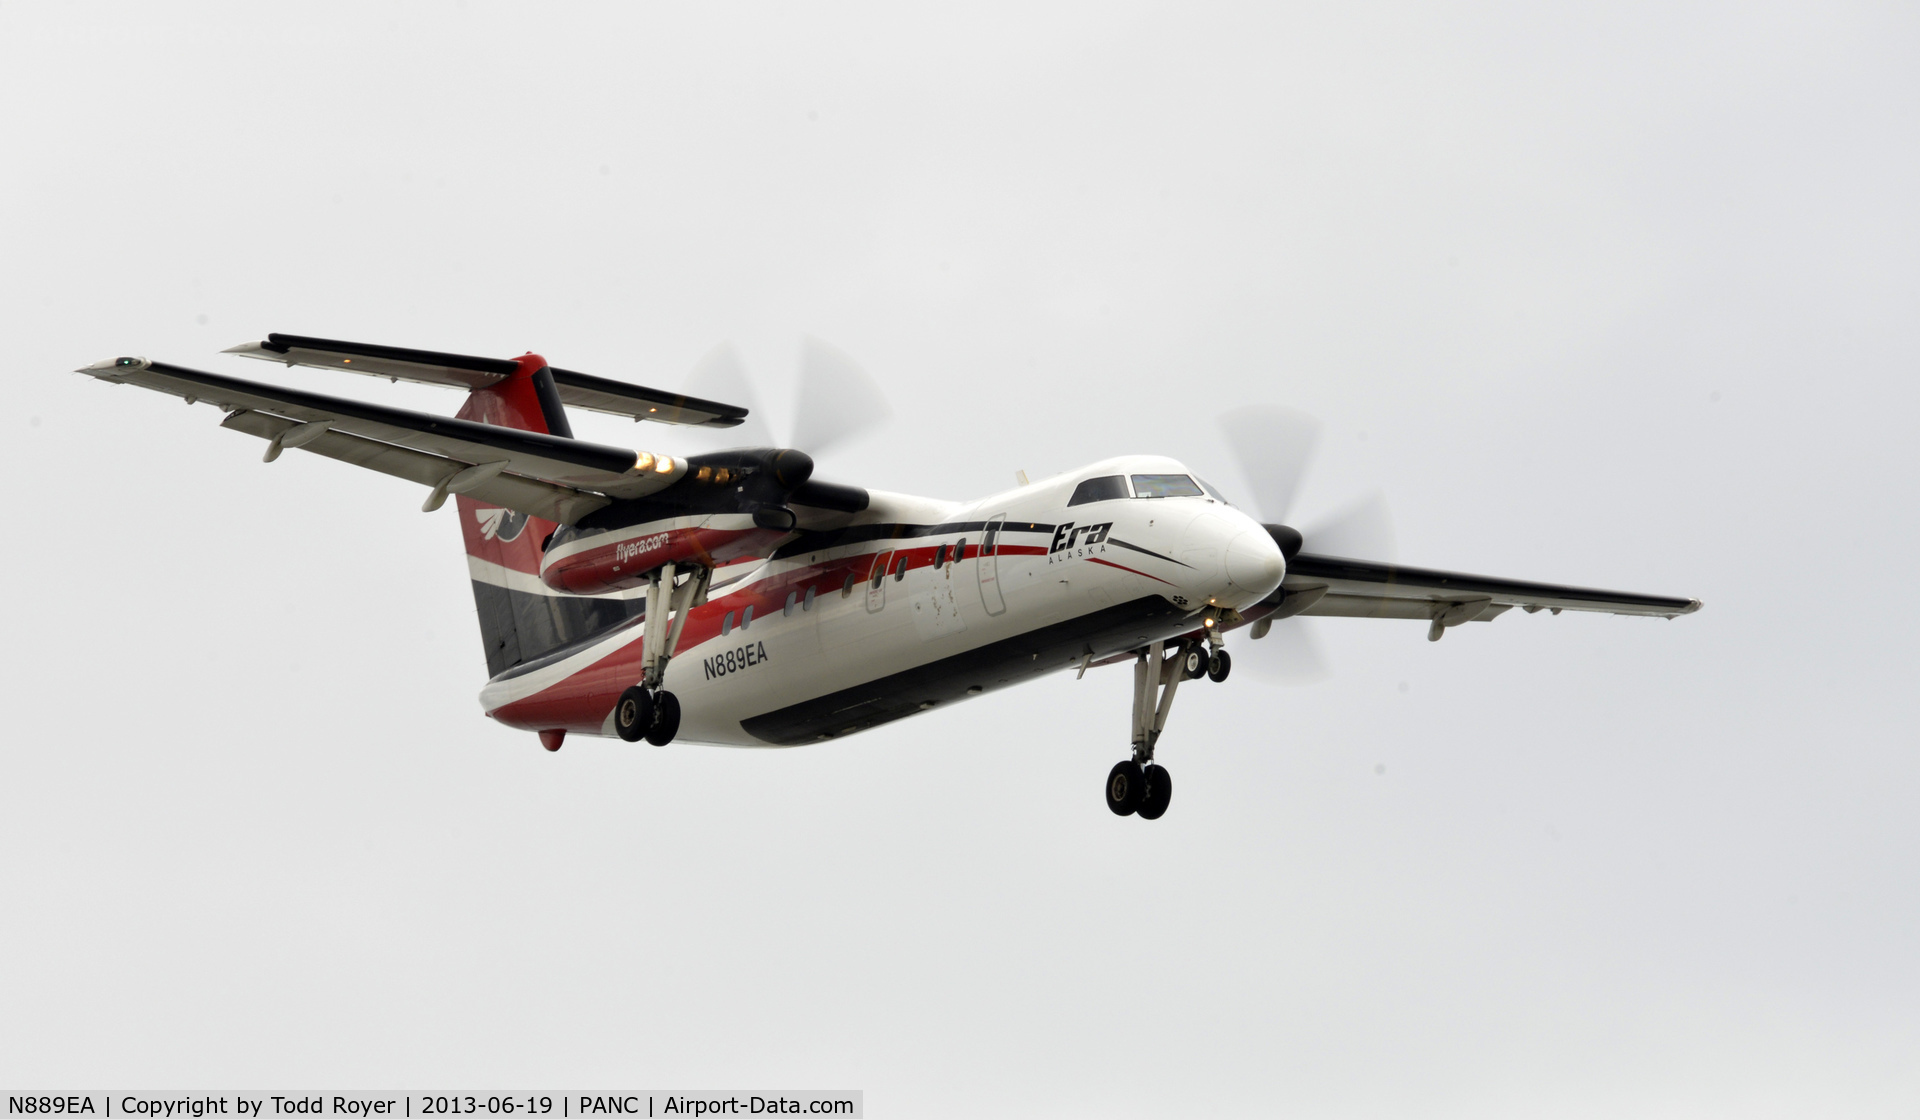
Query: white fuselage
877, 618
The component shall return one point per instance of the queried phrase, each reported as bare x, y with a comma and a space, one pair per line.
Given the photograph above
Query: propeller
720, 375
1275, 448
835, 399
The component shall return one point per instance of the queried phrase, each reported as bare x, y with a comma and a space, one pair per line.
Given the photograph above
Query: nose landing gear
646, 711
1139, 785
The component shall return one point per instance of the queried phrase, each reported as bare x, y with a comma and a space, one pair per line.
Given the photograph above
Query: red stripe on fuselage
581, 701
1124, 568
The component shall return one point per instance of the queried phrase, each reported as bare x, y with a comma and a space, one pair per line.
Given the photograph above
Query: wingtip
106, 366
242, 348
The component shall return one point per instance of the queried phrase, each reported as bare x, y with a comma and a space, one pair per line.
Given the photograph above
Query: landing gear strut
1139, 785
646, 711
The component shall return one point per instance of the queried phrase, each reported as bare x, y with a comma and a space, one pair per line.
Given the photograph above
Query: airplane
732, 598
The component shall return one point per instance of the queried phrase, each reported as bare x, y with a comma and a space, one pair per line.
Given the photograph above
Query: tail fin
522, 618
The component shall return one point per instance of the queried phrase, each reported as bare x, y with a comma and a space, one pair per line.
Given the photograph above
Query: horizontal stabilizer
465, 371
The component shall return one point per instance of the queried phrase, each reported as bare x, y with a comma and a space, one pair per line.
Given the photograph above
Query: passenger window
900, 568
1165, 486
960, 550
726, 625
746, 619
787, 611
1104, 488
807, 604
879, 572
846, 588
940, 557
986, 542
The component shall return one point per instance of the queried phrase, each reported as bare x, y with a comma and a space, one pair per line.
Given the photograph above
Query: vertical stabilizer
522, 618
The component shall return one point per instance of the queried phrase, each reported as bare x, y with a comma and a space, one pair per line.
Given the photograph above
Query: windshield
1165, 486
1212, 491
1099, 489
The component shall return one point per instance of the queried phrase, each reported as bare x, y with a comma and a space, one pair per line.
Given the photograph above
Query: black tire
1159, 792
1124, 787
1219, 665
666, 719
633, 715
1194, 662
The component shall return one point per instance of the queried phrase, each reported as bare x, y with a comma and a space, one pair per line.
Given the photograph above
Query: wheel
1124, 787
1158, 794
666, 719
1194, 664
633, 714
1219, 665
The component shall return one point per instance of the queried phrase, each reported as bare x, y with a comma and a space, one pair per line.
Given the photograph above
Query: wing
464, 371
559, 479
1331, 585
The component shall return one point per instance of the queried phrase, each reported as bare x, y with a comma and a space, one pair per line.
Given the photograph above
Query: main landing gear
1139, 785
653, 716
646, 711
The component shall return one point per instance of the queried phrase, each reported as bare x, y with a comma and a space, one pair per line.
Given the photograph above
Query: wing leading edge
1340, 587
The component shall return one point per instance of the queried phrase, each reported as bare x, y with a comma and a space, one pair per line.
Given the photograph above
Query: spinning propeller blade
1288, 655
1362, 529
838, 400
720, 375
1274, 447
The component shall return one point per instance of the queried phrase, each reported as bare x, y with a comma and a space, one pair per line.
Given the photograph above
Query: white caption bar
618, 1105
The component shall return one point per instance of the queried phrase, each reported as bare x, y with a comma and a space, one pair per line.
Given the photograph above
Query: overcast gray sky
1612, 294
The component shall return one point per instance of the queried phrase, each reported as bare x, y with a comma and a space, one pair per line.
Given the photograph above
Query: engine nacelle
595, 561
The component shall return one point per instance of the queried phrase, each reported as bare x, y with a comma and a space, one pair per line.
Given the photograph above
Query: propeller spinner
1275, 449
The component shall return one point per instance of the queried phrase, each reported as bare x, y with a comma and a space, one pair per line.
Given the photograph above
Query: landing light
642, 461
666, 465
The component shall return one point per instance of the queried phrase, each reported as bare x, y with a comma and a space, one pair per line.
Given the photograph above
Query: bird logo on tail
500, 524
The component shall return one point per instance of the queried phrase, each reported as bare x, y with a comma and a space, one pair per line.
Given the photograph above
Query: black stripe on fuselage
998, 665
821, 540
1145, 551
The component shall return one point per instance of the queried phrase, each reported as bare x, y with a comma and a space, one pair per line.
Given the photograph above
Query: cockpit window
1165, 486
1212, 491
1098, 490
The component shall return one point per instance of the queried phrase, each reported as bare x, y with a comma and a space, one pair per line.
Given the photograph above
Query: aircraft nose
1255, 565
